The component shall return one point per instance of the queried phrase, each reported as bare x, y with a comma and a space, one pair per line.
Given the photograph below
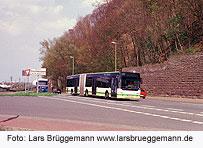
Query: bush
190, 50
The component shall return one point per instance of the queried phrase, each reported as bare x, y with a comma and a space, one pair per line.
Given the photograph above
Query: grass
29, 94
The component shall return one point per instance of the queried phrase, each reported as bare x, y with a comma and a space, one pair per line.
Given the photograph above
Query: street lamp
115, 55
73, 64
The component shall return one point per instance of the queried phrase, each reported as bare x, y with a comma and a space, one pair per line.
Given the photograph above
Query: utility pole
73, 64
115, 55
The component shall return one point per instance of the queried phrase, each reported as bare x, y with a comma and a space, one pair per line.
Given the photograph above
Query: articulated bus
107, 84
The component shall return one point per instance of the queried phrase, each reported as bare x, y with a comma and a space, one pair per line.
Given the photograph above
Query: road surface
148, 114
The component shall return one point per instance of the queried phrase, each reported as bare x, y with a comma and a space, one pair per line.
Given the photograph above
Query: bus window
77, 82
88, 82
103, 82
72, 82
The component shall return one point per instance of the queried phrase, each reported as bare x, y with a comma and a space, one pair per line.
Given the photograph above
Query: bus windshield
43, 82
130, 81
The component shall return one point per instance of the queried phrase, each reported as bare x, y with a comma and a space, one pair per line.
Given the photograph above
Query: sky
25, 23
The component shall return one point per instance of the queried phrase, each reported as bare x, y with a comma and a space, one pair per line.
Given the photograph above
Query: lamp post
115, 55
73, 64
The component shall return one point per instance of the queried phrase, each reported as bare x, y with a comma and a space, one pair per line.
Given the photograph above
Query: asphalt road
148, 114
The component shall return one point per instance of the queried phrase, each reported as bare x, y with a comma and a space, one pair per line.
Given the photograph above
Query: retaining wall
181, 75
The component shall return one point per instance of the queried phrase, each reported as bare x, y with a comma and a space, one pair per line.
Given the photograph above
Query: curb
174, 99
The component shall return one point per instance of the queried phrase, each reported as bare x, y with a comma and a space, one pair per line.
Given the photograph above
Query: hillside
145, 32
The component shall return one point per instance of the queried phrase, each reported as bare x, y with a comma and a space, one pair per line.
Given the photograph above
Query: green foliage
190, 50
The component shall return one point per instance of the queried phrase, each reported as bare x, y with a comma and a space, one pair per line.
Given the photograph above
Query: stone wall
180, 76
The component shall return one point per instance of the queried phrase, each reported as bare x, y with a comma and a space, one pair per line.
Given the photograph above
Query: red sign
27, 72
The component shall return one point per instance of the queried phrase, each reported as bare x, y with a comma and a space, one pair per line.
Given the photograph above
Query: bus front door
114, 87
76, 86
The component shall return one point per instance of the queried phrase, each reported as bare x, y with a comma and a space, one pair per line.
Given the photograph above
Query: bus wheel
86, 93
106, 95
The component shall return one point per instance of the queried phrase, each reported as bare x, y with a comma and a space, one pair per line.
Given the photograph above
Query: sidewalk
45, 124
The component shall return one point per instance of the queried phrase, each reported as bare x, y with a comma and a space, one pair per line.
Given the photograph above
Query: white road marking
148, 106
201, 114
174, 109
124, 110
133, 106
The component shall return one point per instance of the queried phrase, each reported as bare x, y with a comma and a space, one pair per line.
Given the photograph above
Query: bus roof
103, 74
99, 74
73, 77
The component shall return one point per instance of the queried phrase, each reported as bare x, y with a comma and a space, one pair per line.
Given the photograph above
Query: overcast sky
24, 23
